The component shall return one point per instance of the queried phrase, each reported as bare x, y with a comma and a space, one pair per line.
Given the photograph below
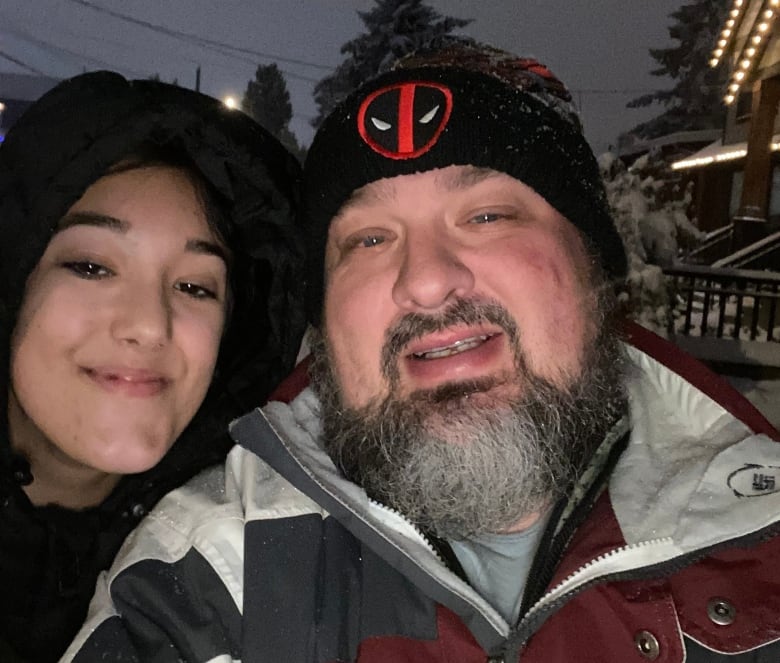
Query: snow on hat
457, 102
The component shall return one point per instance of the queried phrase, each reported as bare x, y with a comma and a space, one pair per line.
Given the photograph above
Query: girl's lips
128, 381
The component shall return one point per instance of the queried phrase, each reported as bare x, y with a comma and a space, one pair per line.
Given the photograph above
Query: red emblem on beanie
404, 120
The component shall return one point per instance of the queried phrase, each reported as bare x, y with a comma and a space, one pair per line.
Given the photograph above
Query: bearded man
487, 465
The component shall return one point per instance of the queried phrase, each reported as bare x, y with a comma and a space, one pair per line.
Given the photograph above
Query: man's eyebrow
92, 219
466, 177
378, 191
385, 192
375, 192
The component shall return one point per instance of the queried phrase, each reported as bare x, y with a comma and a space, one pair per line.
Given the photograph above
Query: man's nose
431, 274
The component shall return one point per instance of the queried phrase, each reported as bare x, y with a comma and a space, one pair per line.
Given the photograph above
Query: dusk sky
599, 47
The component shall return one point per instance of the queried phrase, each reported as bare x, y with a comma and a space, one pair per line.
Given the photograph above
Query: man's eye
196, 291
371, 240
363, 242
87, 269
486, 217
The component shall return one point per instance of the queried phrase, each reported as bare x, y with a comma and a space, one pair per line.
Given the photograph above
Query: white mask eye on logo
380, 124
425, 119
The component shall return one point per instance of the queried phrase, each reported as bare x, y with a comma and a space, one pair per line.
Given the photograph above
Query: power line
60, 50
187, 36
18, 62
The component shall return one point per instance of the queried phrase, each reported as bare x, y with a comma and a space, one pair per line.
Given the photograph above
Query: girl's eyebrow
72, 219
208, 248
92, 219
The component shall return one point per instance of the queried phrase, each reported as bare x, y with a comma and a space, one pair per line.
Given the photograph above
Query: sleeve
160, 612
174, 592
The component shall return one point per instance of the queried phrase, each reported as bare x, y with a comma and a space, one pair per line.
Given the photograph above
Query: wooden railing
715, 246
763, 254
724, 303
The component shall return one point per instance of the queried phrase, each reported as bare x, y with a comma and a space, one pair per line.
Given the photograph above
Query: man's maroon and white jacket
276, 557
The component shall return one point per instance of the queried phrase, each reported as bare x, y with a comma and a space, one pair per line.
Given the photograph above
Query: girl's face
120, 326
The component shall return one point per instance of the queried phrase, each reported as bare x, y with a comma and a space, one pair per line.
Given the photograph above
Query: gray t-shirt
497, 565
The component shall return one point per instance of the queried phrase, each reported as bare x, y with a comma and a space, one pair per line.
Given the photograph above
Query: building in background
738, 176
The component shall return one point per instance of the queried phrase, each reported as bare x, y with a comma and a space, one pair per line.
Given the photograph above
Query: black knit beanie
457, 102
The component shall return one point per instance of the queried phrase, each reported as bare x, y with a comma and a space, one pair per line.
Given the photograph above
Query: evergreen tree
267, 100
393, 29
695, 100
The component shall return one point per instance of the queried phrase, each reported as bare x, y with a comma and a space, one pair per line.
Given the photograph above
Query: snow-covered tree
650, 216
694, 101
393, 29
267, 100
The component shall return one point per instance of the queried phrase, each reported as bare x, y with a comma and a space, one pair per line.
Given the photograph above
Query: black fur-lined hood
66, 141
71, 136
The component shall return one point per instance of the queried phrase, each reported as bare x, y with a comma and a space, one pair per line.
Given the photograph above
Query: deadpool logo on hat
404, 121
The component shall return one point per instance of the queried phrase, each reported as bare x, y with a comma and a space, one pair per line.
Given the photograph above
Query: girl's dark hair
149, 155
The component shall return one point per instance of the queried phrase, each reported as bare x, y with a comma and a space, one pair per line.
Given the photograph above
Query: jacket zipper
421, 535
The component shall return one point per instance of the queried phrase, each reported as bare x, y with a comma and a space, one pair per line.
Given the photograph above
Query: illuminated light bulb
729, 98
750, 52
763, 27
722, 43
726, 33
745, 64
739, 75
734, 13
768, 13
733, 87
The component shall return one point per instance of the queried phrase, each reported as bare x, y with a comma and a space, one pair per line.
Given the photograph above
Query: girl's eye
195, 291
87, 269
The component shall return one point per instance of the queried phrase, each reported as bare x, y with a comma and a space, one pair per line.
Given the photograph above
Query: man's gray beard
458, 462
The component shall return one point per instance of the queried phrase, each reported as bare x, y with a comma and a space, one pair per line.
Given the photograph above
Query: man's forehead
385, 190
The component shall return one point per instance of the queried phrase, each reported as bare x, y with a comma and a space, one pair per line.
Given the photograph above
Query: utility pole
197, 79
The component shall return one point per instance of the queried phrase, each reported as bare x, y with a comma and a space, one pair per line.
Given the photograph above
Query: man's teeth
455, 348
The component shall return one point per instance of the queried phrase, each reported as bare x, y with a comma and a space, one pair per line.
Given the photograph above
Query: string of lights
753, 46
731, 155
736, 14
